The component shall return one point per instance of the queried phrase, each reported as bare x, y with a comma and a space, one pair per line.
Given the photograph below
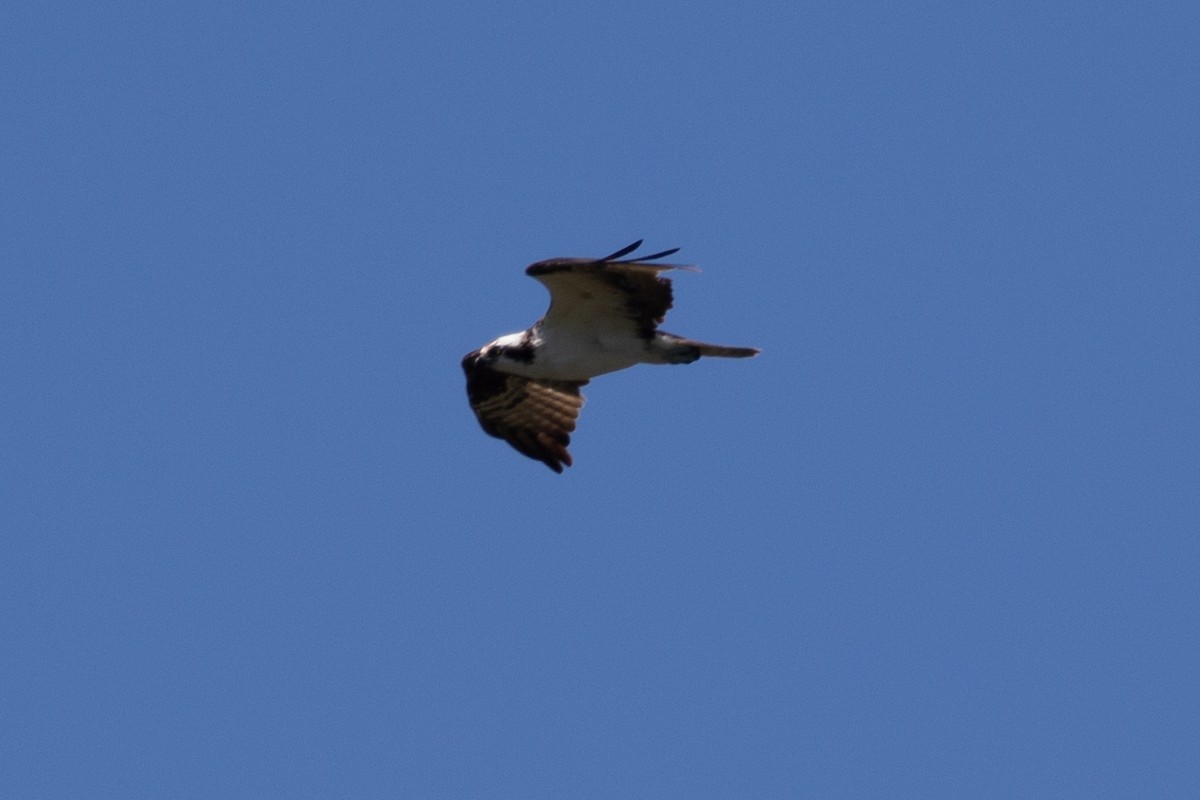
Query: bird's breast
579, 356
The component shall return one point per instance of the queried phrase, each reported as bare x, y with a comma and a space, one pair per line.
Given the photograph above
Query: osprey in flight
604, 315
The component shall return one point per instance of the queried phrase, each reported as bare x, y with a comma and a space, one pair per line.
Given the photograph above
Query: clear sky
939, 540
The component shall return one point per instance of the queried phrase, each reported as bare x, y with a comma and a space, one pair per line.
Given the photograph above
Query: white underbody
580, 354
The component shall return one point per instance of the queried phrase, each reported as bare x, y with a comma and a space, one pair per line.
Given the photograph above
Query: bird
603, 317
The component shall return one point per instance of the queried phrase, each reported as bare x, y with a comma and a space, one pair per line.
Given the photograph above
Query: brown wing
535, 417
606, 292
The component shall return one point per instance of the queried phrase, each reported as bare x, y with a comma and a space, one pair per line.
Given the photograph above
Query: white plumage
603, 317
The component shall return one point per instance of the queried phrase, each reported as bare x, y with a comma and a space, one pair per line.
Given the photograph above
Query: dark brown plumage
604, 316
535, 417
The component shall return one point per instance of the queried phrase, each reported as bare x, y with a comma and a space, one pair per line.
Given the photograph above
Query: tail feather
677, 349
722, 351
671, 349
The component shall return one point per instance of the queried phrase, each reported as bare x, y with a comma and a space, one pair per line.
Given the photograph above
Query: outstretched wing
534, 416
606, 293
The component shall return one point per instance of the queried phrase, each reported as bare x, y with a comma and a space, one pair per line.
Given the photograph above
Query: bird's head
484, 356
510, 349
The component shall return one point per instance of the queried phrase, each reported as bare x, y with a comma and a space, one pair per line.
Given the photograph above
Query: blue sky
939, 540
